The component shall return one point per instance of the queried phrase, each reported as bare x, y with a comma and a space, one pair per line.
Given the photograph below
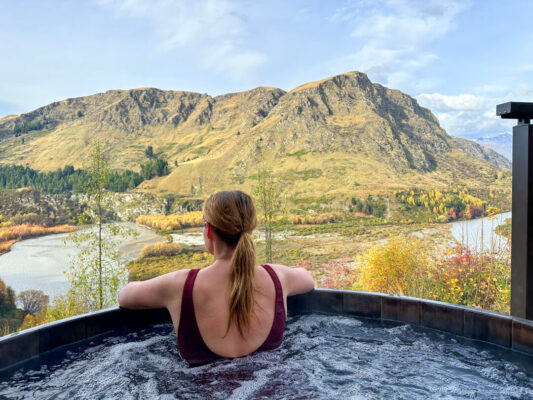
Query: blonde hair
233, 218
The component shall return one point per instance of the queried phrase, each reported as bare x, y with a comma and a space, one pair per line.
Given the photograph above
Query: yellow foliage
397, 267
28, 230
309, 219
173, 221
160, 249
29, 322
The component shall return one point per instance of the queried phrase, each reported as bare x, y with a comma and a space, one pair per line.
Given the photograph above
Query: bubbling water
321, 357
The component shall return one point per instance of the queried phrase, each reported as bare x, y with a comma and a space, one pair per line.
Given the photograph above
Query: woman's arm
158, 292
296, 280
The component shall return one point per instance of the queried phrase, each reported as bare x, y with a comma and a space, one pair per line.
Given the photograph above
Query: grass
155, 265
5, 246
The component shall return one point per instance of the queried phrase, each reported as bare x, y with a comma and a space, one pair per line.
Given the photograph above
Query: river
469, 232
39, 263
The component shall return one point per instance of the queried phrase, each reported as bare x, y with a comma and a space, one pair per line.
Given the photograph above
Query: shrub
173, 221
472, 279
335, 274
160, 249
399, 266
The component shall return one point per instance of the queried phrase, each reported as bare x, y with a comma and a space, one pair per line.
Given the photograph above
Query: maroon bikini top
192, 347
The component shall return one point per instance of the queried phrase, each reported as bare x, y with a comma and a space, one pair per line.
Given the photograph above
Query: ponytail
233, 218
242, 271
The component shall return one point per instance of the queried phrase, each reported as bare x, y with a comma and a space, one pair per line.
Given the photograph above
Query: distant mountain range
334, 137
502, 144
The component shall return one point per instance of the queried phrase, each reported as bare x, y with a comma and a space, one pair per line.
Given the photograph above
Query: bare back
211, 293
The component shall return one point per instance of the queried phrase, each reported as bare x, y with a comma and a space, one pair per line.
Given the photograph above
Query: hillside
502, 144
332, 137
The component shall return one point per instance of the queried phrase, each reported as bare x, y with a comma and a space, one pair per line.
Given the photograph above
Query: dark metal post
522, 229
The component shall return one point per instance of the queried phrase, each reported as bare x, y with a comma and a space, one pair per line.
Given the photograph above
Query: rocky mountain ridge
311, 136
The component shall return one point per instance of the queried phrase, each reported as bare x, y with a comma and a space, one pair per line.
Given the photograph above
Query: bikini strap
190, 343
280, 306
275, 336
275, 279
189, 284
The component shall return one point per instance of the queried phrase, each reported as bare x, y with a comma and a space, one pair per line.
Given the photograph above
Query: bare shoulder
294, 280
179, 277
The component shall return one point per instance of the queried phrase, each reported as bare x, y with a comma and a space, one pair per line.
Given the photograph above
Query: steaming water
322, 357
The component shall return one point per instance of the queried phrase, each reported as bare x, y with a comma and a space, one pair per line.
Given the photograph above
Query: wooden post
522, 229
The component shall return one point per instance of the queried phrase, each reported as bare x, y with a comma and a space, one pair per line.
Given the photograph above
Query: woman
231, 308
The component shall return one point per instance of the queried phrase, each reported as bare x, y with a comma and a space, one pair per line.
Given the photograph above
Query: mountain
502, 144
333, 137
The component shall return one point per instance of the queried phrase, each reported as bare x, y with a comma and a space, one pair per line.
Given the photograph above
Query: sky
458, 58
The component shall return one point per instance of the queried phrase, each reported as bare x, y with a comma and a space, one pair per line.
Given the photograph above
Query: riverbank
9, 235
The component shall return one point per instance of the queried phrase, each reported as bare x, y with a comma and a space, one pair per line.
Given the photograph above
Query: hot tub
338, 344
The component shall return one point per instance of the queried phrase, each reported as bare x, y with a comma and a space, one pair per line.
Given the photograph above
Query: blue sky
459, 58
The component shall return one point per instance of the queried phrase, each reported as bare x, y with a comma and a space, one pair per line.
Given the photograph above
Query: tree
149, 152
157, 167
33, 301
7, 295
8, 309
96, 274
267, 192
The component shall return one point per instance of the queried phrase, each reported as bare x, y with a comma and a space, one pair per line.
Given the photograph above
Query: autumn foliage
28, 230
160, 249
446, 204
193, 219
408, 266
172, 222
397, 267
313, 219
469, 278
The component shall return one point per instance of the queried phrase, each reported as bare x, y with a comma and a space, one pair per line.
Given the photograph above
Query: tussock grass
25, 231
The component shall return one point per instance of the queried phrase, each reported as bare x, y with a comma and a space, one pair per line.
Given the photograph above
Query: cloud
392, 39
525, 68
462, 102
213, 31
473, 116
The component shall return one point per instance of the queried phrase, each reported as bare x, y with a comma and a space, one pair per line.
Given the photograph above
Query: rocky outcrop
52, 208
348, 112
128, 206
